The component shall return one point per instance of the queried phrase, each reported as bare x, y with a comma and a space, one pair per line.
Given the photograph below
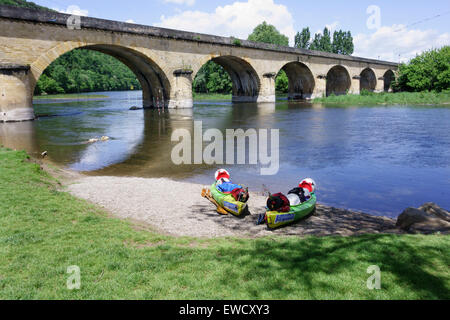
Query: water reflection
20, 136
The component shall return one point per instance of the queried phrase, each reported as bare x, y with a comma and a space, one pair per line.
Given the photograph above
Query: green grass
400, 98
43, 231
69, 96
210, 96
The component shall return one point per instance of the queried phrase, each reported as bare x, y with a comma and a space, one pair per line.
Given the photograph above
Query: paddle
206, 193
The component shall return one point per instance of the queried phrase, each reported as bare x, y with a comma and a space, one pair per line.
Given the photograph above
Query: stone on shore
429, 218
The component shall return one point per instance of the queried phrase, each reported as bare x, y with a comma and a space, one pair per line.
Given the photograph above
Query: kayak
228, 202
277, 219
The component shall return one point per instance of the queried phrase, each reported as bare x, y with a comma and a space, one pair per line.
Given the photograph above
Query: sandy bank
176, 208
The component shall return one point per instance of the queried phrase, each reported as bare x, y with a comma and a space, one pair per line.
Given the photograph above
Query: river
375, 159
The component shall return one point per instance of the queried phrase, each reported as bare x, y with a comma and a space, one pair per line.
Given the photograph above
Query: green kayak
277, 219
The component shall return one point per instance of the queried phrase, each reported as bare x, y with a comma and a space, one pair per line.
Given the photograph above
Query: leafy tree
83, 70
267, 33
212, 78
23, 4
316, 43
342, 42
302, 39
325, 41
429, 71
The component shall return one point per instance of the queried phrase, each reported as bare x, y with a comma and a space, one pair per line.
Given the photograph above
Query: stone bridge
166, 61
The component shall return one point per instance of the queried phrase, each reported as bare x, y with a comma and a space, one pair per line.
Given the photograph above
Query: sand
176, 208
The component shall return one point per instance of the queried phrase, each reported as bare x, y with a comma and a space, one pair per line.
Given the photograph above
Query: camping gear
278, 202
303, 194
275, 219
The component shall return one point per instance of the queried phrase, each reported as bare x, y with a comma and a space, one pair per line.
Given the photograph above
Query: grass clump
399, 98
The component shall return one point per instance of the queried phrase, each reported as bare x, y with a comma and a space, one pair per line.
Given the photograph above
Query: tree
316, 43
429, 71
342, 42
83, 70
267, 33
302, 39
212, 78
325, 41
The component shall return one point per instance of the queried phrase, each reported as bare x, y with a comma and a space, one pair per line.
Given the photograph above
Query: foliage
23, 4
83, 70
303, 39
212, 78
43, 231
342, 42
401, 98
267, 33
426, 72
282, 82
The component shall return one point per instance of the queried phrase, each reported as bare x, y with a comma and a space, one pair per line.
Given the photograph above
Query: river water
378, 159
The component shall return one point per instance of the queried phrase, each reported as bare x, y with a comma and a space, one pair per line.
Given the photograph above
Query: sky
388, 30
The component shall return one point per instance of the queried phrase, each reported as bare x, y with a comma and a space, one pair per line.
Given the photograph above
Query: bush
429, 71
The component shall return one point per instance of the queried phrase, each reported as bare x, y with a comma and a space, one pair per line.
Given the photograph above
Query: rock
411, 216
135, 108
430, 226
434, 209
419, 221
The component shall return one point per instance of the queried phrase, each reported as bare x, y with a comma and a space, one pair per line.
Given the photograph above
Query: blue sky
404, 28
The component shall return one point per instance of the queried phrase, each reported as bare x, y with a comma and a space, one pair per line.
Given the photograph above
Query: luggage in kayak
228, 202
276, 219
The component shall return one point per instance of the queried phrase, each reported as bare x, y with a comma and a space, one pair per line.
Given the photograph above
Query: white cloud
186, 2
237, 19
130, 21
397, 43
73, 9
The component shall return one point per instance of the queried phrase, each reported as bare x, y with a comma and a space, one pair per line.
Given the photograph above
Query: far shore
70, 96
366, 98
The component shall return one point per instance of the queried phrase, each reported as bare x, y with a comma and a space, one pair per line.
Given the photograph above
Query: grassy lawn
402, 98
43, 231
210, 96
69, 96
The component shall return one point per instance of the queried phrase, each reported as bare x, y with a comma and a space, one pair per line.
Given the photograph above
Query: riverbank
44, 230
176, 208
400, 98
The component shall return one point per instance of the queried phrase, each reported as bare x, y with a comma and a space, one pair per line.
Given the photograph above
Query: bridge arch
338, 81
368, 80
388, 77
301, 80
245, 81
156, 88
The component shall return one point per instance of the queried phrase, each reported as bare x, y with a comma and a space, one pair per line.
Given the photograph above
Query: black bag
279, 203
300, 192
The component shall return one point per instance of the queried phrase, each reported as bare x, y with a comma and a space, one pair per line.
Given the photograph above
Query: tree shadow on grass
336, 268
